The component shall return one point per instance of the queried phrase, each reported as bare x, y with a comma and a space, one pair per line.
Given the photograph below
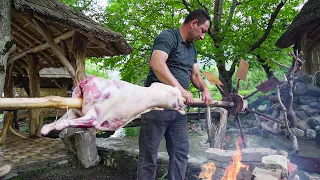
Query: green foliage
132, 131
96, 68
79, 5
139, 21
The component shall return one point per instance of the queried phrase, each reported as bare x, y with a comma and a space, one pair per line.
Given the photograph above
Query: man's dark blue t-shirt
181, 56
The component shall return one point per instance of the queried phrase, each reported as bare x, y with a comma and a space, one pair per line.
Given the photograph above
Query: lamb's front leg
87, 121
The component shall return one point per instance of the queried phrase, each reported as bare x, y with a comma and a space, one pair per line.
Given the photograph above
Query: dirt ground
74, 171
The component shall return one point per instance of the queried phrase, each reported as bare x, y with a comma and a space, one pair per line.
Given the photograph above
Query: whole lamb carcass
111, 104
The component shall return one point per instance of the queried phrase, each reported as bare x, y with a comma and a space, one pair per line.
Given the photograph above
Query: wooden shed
49, 34
304, 34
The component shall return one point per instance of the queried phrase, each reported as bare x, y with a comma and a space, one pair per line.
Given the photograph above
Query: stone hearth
264, 164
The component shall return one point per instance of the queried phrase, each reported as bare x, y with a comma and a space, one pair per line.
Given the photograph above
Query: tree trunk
266, 68
35, 119
7, 45
225, 77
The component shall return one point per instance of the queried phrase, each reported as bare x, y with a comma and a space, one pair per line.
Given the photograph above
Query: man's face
198, 31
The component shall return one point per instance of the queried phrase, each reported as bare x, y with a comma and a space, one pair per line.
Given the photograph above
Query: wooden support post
35, 120
304, 41
8, 115
216, 129
83, 143
78, 55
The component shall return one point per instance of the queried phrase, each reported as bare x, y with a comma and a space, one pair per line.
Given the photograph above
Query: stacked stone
306, 105
223, 158
275, 167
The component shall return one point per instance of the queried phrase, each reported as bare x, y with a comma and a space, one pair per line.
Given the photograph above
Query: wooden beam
20, 70
41, 47
16, 26
54, 47
100, 44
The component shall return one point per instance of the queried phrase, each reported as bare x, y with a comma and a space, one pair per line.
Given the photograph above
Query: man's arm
161, 70
199, 83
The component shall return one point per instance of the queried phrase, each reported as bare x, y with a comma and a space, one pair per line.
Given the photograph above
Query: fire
234, 168
232, 171
207, 171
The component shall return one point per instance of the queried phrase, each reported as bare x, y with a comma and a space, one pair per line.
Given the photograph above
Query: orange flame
207, 170
234, 168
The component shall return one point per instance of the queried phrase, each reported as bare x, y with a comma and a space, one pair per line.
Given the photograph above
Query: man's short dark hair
201, 15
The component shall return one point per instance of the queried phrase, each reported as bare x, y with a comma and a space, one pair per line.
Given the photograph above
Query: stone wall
306, 105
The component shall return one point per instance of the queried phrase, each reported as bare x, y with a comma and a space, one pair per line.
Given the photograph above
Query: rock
262, 107
314, 123
296, 177
266, 174
312, 111
307, 99
275, 162
302, 107
314, 104
292, 170
216, 154
313, 90
298, 119
301, 114
304, 125
299, 89
309, 176
294, 104
306, 78
298, 132
86, 148
311, 134
256, 154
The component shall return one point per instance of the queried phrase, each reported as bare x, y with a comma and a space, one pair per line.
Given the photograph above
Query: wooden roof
307, 20
61, 21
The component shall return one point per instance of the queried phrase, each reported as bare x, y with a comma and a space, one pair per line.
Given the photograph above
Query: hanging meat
111, 104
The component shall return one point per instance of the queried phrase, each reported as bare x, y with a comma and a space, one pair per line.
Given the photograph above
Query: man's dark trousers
173, 126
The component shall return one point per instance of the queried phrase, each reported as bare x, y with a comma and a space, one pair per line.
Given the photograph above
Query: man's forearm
164, 75
199, 83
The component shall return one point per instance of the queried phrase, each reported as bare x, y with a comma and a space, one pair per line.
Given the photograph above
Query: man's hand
206, 97
188, 96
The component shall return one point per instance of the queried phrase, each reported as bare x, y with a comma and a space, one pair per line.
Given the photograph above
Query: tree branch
269, 27
231, 12
233, 66
203, 6
279, 64
186, 5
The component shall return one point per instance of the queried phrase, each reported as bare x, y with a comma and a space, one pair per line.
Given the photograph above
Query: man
173, 62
